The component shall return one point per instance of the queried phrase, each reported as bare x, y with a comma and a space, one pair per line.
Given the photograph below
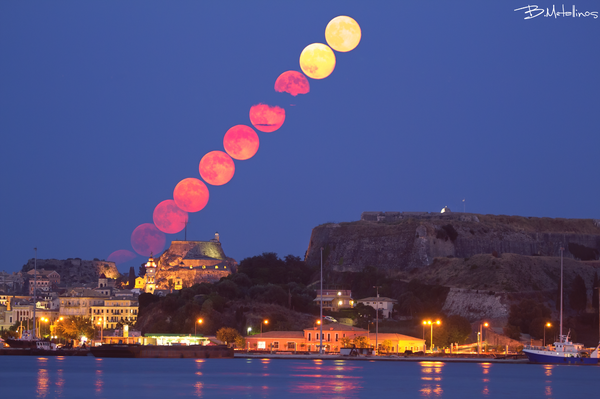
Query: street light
265, 322
200, 321
248, 330
480, 336
546, 325
431, 323
101, 324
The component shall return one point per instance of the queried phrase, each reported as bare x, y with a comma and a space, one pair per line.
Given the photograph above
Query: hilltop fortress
186, 263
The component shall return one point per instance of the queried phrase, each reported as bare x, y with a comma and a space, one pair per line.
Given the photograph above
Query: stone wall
76, 271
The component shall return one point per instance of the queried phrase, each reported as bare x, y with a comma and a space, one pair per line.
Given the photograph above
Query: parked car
329, 318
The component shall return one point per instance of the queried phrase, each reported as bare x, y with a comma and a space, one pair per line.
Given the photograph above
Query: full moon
266, 118
146, 239
317, 60
121, 256
169, 218
241, 142
216, 168
191, 195
292, 82
342, 33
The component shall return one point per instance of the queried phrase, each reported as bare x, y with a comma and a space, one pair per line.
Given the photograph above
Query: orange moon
121, 256
169, 218
241, 142
266, 118
292, 82
216, 168
191, 195
343, 33
146, 239
317, 60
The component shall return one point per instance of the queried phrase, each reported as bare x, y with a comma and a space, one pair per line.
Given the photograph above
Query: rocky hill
487, 261
404, 242
76, 271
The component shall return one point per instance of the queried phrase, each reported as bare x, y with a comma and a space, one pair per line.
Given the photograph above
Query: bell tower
150, 275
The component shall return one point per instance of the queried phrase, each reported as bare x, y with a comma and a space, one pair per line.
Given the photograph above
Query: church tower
150, 275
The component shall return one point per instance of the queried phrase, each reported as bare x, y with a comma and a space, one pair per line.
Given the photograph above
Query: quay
393, 358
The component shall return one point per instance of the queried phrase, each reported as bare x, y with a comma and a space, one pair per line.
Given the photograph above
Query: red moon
241, 142
169, 218
121, 256
146, 239
216, 168
191, 195
266, 118
292, 82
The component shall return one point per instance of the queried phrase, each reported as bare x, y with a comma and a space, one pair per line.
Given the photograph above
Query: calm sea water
88, 377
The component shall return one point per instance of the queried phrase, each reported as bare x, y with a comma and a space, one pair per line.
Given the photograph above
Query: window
309, 336
291, 345
336, 337
261, 345
275, 345
328, 337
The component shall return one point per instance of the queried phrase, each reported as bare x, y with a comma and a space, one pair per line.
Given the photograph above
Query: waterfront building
79, 301
333, 336
113, 311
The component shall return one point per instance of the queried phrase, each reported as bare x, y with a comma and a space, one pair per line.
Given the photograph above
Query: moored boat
564, 351
162, 351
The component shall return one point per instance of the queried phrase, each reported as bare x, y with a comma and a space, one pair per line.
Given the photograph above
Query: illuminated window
261, 345
216, 267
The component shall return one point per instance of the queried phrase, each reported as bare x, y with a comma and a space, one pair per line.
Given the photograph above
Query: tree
386, 346
227, 335
454, 329
142, 270
240, 342
361, 341
345, 342
522, 314
75, 327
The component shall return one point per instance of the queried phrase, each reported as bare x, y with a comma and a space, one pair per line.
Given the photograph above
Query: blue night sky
106, 105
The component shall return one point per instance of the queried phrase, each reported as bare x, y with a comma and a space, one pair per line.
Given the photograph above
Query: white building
385, 304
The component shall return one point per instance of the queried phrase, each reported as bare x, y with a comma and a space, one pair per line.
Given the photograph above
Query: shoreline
245, 355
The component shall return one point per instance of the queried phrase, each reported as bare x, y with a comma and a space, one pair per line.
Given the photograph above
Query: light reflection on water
432, 375
73, 377
486, 370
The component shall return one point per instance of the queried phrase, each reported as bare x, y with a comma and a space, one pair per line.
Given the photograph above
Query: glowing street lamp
431, 323
265, 322
480, 336
101, 324
200, 321
546, 325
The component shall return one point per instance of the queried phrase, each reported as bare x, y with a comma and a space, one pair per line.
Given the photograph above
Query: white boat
564, 351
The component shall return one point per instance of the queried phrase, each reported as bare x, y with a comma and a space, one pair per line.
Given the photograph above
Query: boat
27, 341
564, 351
162, 351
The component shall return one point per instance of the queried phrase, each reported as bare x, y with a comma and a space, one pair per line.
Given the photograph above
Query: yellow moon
317, 61
342, 33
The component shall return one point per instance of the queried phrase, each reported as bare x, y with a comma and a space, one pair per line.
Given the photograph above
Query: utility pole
377, 287
560, 336
34, 290
321, 319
